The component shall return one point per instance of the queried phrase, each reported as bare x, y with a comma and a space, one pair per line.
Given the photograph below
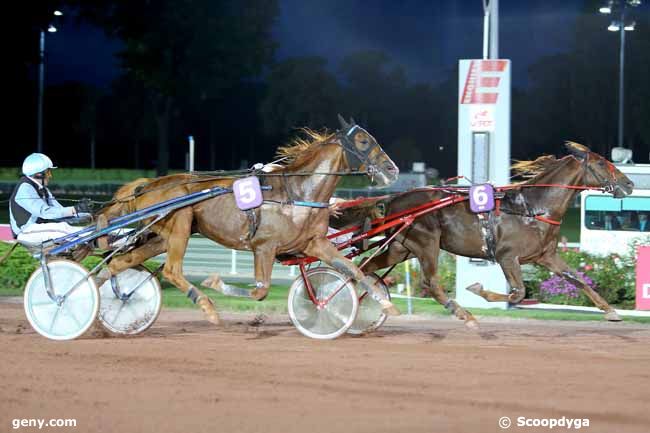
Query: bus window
608, 213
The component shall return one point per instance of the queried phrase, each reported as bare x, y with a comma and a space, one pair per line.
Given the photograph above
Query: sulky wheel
334, 310
72, 312
130, 315
370, 316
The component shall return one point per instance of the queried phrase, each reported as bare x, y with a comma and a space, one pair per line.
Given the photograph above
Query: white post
233, 262
292, 271
486, 30
407, 276
494, 29
191, 152
41, 81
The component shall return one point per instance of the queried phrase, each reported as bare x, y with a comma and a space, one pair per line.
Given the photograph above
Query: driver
34, 214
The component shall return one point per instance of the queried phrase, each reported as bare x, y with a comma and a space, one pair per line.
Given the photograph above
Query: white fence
204, 257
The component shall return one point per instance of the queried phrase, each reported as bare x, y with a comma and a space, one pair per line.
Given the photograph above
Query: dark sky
427, 37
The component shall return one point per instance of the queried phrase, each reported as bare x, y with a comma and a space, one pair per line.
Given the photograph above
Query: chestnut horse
524, 230
293, 218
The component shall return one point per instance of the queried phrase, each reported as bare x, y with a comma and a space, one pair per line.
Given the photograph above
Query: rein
363, 158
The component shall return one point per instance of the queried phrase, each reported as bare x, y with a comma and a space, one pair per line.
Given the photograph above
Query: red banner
480, 89
643, 279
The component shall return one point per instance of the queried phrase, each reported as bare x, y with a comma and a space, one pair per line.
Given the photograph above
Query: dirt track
416, 375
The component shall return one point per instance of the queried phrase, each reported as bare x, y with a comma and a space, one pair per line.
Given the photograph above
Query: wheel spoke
56, 314
339, 316
119, 310
41, 303
67, 310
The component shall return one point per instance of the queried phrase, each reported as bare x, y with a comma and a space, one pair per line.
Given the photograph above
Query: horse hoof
213, 282
475, 288
207, 306
612, 316
213, 318
472, 324
259, 294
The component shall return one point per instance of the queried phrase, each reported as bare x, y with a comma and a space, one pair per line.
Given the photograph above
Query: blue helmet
36, 163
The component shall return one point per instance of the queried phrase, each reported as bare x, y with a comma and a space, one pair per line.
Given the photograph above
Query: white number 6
480, 196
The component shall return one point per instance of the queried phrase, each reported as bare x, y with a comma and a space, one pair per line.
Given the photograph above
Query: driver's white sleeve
28, 199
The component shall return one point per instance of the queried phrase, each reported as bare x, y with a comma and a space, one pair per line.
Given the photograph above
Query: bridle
608, 185
356, 157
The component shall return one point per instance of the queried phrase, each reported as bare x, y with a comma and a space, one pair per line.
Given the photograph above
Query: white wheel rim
338, 314
370, 316
136, 314
75, 315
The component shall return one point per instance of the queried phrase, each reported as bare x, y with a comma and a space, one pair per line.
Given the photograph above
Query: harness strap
316, 204
253, 223
547, 220
487, 224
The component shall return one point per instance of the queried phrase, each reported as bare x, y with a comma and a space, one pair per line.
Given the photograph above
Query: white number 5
246, 191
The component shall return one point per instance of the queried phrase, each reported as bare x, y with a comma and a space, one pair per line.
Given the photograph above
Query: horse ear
343, 123
577, 149
352, 121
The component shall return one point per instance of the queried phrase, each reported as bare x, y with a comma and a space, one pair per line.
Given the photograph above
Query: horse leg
429, 264
327, 252
133, 258
555, 264
263, 258
177, 239
395, 253
512, 270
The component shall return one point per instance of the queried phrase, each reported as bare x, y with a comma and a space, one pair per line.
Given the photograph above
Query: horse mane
532, 170
124, 194
303, 146
128, 189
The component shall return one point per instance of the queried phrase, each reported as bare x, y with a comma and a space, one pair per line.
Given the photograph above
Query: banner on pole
643, 278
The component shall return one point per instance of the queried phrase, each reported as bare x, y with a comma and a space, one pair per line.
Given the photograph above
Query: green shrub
446, 273
614, 276
15, 271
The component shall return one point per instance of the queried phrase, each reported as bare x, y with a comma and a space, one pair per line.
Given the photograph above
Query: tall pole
486, 30
490, 29
621, 75
494, 29
41, 76
191, 153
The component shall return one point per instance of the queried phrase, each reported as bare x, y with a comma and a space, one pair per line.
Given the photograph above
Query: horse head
600, 172
364, 153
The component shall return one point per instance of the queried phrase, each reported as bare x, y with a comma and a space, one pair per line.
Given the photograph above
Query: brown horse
292, 220
524, 230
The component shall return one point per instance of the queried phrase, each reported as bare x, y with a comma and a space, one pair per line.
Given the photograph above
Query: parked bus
607, 224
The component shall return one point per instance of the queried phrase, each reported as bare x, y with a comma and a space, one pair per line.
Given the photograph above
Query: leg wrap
368, 285
342, 267
516, 295
451, 306
193, 295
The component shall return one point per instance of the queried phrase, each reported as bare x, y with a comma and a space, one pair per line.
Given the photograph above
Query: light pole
619, 8
41, 82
